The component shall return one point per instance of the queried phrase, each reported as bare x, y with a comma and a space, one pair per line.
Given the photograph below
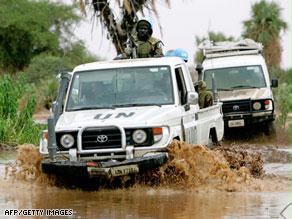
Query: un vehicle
243, 83
117, 117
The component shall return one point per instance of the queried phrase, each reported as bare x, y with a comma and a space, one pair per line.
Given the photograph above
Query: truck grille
101, 138
236, 106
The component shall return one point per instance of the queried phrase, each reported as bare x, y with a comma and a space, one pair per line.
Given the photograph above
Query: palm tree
119, 28
265, 26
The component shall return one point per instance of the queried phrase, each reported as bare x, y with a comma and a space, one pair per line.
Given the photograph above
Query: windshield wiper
244, 86
92, 107
137, 104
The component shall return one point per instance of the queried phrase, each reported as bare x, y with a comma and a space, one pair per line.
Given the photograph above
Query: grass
16, 123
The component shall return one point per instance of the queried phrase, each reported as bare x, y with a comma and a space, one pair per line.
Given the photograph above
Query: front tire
270, 129
213, 140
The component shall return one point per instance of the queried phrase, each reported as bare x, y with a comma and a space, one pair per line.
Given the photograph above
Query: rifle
131, 47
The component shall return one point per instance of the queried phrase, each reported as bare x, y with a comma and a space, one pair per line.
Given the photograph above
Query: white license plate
236, 123
124, 170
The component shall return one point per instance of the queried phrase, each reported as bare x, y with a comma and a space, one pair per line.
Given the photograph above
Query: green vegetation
29, 28
283, 103
282, 95
265, 26
36, 42
47, 65
16, 124
36, 38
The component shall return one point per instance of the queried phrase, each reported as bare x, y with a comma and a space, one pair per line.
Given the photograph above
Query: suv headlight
139, 136
257, 105
67, 141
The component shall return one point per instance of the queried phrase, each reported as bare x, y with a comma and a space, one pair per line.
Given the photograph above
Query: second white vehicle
243, 83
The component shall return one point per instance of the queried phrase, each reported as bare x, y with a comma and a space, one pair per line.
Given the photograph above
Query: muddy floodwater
240, 197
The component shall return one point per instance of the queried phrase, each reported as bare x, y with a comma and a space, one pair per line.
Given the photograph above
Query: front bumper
107, 169
249, 118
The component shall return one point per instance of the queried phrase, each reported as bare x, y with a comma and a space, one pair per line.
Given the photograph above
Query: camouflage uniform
205, 97
149, 48
142, 44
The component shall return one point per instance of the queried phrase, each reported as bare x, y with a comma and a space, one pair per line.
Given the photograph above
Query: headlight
139, 136
257, 105
67, 141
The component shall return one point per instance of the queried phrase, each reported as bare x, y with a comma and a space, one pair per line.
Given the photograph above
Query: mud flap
107, 169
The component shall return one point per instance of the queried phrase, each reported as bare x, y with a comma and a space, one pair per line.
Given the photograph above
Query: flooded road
146, 202
266, 197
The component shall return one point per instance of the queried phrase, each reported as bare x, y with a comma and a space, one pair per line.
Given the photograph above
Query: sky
187, 19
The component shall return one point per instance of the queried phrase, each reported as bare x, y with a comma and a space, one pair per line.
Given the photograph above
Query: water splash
189, 166
27, 166
196, 166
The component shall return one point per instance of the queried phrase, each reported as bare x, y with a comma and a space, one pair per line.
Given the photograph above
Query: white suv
243, 82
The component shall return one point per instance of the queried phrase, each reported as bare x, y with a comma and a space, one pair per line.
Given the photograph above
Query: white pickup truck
117, 117
243, 83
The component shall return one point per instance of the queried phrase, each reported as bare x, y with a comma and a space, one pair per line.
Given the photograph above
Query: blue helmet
178, 53
170, 53
182, 54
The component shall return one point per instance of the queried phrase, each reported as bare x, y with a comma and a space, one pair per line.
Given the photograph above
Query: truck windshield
123, 87
244, 77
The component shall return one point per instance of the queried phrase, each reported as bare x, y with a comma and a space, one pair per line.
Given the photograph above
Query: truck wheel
212, 141
270, 129
210, 144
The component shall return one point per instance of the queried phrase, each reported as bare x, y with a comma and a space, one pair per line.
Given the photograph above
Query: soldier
205, 97
145, 45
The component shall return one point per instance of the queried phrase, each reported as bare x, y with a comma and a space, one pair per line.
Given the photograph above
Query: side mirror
274, 83
199, 69
192, 98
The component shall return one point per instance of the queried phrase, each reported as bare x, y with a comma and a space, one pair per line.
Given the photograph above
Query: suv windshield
244, 77
110, 88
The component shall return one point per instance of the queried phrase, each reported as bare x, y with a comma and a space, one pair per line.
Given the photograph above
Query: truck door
187, 111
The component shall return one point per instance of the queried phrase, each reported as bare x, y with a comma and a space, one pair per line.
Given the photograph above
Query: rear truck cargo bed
108, 169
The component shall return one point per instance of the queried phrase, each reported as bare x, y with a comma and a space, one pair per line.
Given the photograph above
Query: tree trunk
272, 53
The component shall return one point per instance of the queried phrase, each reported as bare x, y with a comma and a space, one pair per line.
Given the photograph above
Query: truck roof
122, 63
229, 48
232, 61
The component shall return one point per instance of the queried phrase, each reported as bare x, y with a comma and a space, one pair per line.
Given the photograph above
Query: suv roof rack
228, 48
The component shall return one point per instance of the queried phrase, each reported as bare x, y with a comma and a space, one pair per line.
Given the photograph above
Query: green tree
283, 103
212, 36
265, 26
47, 65
31, 27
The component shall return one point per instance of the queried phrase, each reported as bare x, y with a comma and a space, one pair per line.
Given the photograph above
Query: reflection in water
143, 202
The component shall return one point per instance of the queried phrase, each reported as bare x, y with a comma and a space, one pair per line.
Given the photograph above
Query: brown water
145, 202
196, 183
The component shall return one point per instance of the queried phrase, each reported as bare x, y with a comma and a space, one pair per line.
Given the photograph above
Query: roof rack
228, 48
